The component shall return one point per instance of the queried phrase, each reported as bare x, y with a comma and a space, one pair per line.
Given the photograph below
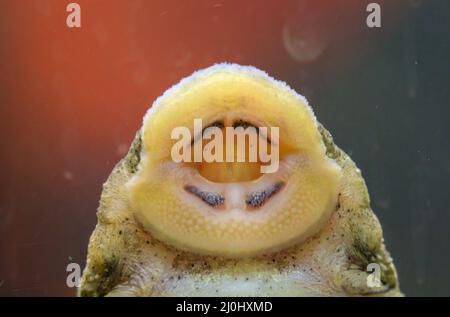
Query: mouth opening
235, 150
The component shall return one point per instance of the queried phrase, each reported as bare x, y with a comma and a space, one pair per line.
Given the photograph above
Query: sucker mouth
274, 189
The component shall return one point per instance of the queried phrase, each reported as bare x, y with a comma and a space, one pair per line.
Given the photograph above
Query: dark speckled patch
259, 198
212, 199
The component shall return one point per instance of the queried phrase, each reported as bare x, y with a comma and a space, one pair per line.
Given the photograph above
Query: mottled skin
125, 260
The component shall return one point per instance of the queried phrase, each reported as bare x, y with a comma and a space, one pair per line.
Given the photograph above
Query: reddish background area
72, 100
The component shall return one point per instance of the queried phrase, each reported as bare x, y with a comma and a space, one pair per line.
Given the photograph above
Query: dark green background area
391, 112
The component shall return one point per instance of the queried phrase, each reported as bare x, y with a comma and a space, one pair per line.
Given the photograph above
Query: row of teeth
254, 200
220, 124
259, 198
212, 199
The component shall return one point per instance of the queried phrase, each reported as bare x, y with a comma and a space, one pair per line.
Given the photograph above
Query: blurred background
71, 101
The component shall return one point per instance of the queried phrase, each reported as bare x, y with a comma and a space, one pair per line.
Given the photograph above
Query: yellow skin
315, 237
